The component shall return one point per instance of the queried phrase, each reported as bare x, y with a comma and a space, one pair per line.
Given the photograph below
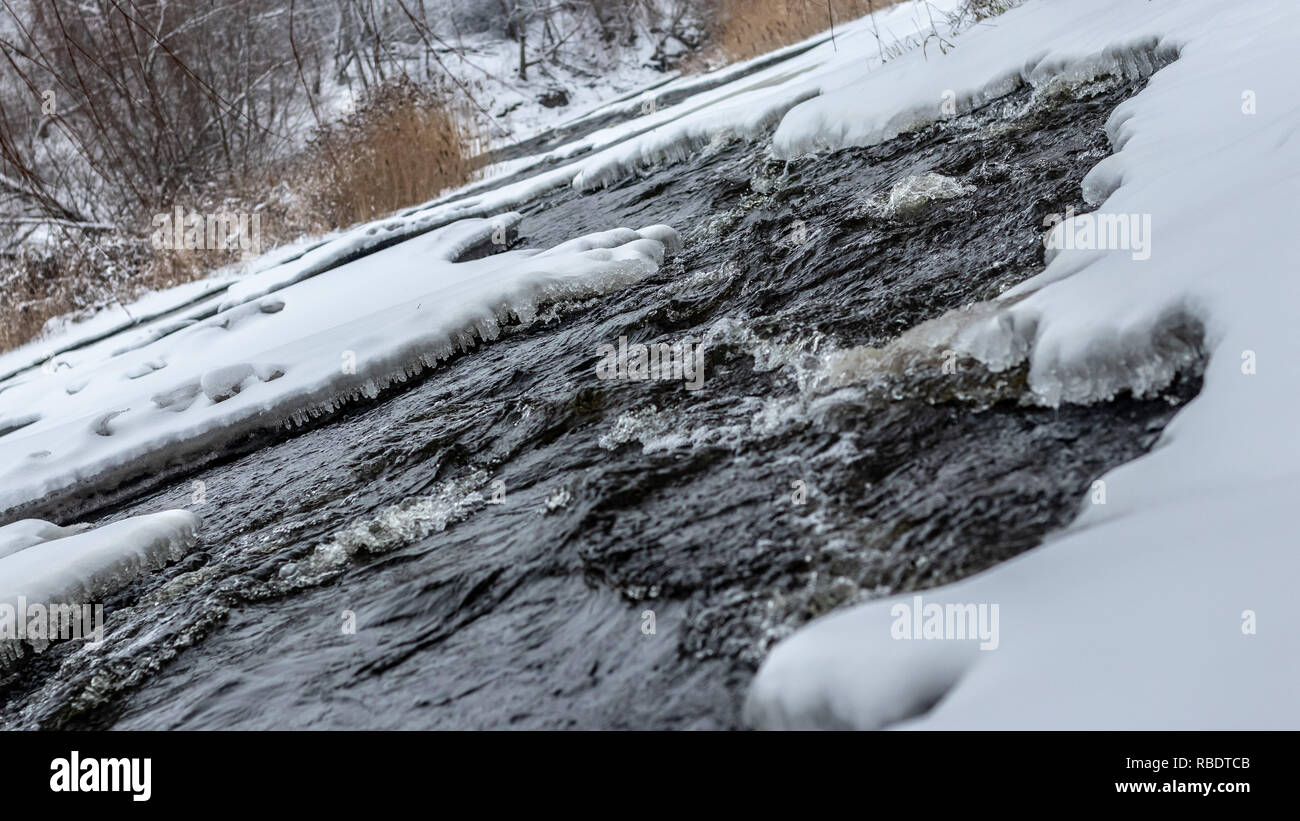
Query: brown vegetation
81, 272
114, 112
748, 28
403, 145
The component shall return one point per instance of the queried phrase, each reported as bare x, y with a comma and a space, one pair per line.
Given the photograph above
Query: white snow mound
72, 565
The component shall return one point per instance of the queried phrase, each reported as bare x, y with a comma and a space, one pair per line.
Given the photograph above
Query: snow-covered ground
1167, 606
654, 132
489, 66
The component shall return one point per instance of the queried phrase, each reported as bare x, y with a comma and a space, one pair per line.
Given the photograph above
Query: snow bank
1170, 605
746, 107
1135, 623
1044, 42
43, 564
317, 342
65, 334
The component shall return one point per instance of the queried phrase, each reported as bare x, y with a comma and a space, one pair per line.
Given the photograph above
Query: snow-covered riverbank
1166, 604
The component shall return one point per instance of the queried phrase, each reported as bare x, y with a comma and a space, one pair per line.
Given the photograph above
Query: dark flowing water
624, 499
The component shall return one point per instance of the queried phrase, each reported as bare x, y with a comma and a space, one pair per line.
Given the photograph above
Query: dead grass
78, 273
984, 9
748, 28
402, 146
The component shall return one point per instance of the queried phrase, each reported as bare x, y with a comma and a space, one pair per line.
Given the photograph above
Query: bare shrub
402, 145
155, 98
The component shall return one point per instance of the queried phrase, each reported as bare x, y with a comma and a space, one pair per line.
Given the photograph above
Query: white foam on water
389, 528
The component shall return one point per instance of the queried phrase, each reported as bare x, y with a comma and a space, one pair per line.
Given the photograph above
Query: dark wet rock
554, 98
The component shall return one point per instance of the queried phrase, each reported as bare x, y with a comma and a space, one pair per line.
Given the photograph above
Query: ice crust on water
317, 344
74, 564
1135, 616
27, 533
222, 383
43, 563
